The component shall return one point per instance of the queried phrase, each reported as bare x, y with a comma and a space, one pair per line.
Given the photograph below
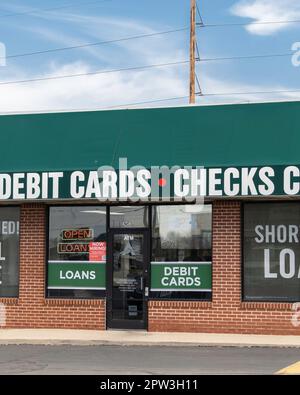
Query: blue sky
89, 22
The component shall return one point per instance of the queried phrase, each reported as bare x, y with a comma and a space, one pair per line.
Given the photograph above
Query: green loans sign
66, 275
183, 276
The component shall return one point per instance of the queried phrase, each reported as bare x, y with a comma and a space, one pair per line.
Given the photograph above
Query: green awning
211, 136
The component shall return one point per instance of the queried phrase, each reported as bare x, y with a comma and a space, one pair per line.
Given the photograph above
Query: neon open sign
77, 234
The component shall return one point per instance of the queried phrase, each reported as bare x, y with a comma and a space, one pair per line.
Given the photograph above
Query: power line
37, 10
246, 57
247, 24
199, 14
199, 86
146, 36
142, 102
95, 73
101, 108
148, 102
250, 93
47, 51
198, 52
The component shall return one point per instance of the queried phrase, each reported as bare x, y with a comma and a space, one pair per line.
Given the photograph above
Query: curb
91, 343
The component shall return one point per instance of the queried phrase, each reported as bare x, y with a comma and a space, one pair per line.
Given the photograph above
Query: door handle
146, 292
142, 283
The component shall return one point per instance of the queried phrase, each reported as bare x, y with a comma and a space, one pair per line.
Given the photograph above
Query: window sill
263, 306
74, 302
9, 301
180, 304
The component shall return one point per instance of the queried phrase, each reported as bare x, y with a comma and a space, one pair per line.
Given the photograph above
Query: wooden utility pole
193, 54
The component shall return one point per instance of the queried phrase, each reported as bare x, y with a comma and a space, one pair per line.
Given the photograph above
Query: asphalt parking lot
107, 360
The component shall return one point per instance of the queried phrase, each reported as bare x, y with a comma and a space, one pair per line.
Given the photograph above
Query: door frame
130, 324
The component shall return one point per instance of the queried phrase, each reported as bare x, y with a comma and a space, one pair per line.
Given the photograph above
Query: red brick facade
32, 309
225, 314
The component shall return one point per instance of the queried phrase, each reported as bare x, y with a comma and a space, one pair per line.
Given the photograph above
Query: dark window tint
272, 251
9, 251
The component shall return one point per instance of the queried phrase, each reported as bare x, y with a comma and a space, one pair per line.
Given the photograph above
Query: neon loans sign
156, 183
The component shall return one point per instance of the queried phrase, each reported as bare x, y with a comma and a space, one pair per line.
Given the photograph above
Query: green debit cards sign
183, 276
76, 275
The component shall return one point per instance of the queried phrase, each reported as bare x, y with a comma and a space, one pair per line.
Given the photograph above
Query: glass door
128, 279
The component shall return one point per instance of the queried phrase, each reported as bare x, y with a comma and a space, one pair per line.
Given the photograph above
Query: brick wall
226, 313
31, 309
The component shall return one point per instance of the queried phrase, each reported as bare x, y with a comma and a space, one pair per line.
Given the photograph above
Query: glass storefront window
272, 251
181, 252
129, 217
9, 251
77, 252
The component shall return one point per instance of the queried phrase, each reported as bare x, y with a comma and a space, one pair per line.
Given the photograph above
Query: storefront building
177, 219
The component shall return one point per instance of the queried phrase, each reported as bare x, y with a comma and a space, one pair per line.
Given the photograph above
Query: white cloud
267, 10
96, 91
109, 90
105, 90
214, 85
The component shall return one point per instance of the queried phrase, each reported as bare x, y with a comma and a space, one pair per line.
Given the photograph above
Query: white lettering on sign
230, 182
5, 186
248, 186
277, 234
93, 185
231, 188
20, 186
290, 185
180, 188
138, 183
267, 187
9, 227
143, 177
267, 265
77, 191
287, 265
77, 275
179, 276
33, 186
2, 258
180, 271
198, 180
214, 182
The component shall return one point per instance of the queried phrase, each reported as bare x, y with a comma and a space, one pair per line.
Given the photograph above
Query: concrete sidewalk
141, 338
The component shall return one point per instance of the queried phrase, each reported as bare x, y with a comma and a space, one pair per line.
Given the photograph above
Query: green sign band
181, 276
86, 275
181, 184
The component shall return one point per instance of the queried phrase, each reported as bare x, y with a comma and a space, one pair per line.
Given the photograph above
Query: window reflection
129, 217
181, 233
